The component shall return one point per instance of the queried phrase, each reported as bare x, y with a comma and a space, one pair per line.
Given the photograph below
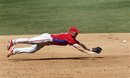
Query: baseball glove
97, 50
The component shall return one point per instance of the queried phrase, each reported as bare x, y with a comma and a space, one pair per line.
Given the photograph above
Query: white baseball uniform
37, 43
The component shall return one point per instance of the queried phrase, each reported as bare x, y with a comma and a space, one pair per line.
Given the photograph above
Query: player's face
74, 34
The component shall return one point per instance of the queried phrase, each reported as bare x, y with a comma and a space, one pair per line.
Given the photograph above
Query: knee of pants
33, 51
35, 48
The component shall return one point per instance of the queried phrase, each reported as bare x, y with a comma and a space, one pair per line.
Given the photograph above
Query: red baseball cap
74, 29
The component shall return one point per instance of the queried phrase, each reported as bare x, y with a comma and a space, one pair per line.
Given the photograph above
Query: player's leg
44, 38
12, 42
31, 49
35, 40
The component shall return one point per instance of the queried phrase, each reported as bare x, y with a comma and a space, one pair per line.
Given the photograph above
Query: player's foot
10, 52
10, 44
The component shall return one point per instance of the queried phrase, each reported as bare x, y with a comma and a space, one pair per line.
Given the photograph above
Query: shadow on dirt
65, 58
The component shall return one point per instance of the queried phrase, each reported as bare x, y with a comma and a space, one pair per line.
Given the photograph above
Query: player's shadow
65, 58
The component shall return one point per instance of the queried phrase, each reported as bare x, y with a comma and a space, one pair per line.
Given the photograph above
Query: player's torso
63, 39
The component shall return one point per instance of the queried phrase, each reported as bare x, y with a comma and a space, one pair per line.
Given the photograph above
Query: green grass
54, 16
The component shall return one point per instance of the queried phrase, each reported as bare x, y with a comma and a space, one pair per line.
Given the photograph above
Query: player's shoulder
59, 33
65, 34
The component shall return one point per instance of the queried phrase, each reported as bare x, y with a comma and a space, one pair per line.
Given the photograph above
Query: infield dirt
67, 62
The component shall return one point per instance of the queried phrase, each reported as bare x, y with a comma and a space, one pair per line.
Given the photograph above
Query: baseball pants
37, 43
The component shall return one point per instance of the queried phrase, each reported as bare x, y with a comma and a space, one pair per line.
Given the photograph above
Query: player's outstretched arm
86, 50
82, 48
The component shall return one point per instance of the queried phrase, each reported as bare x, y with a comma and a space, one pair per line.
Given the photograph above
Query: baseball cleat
10, 44
10, 52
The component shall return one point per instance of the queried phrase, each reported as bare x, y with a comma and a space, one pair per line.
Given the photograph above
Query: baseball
124, 41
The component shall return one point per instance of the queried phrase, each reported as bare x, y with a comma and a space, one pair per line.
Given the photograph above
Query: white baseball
124, 41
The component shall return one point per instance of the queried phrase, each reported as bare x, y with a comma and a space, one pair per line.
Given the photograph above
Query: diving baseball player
61, 39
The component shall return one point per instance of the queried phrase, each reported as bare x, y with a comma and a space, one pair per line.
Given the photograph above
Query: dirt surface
67, 62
